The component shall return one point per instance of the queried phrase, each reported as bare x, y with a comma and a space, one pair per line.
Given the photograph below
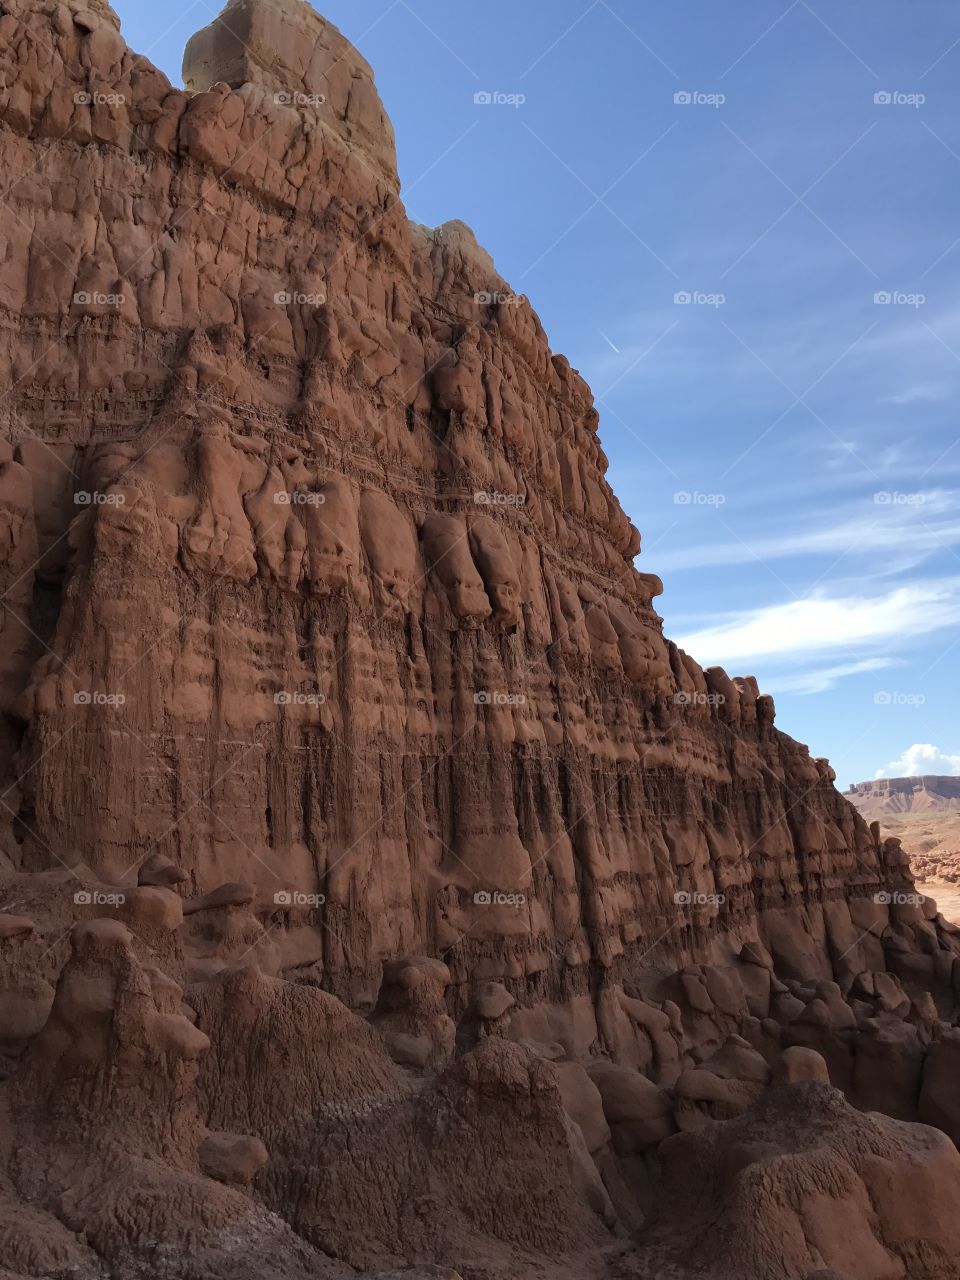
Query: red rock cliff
333, 597
327, 679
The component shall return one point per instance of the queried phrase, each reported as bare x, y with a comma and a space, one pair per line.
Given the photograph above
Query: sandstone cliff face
328, 680
334, 597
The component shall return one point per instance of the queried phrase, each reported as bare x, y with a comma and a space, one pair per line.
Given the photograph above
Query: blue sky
787, 444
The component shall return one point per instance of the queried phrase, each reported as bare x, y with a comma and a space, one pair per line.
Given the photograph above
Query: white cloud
840, 454
822, 678
925, 393
921, 522
819, 624
921, 758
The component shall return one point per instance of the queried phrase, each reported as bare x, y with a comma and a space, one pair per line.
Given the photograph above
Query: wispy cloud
821, 624
823, 678
909, 354
908, 524
921, 758
925, 393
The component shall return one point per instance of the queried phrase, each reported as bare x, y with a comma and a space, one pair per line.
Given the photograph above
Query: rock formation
905, 795
378, 885
804, 1185
923, 813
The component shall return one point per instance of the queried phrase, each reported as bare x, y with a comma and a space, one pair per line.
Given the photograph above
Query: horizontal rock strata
378, 884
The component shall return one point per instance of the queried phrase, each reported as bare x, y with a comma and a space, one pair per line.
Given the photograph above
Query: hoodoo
380, 885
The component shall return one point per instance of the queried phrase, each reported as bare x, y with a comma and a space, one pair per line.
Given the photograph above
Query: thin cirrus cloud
820, 624
918, 524
922, 758
821, 679
925, 393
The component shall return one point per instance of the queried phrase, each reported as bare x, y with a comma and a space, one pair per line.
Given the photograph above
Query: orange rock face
325, 664
334, 597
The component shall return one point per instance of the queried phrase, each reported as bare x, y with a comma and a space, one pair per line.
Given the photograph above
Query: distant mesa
905, 795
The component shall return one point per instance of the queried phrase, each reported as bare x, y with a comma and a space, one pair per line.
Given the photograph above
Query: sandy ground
946, 896
931, 836
932, 840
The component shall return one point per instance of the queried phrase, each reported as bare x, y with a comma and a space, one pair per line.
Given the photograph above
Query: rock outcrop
803, 1185
923, 813
334, 599
378, 884
905, 795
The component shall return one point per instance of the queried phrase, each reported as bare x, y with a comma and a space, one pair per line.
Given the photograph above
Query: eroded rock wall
328, 688
334, 596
